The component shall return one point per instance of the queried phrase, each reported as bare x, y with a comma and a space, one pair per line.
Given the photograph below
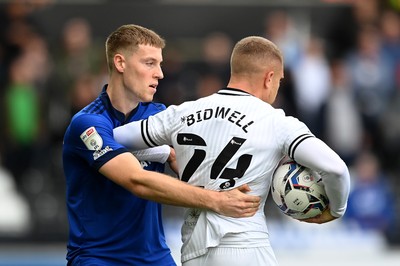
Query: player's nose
159, 73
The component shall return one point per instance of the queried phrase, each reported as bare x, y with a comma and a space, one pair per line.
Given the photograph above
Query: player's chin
148, 97
151, 94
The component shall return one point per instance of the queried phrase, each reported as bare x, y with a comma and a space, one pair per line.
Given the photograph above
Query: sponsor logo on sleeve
93, 141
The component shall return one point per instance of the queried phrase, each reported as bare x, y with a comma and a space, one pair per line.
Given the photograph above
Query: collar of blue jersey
233, 92
117, 114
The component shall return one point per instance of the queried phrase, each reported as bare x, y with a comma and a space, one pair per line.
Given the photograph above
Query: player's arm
159, 154
125, 170
130, 136
315, 154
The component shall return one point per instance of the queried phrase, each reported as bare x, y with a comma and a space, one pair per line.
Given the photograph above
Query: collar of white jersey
233, 92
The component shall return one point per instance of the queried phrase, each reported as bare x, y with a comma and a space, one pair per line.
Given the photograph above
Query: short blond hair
253, 54
128, 38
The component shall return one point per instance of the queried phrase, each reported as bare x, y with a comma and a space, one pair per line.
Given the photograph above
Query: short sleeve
90, 137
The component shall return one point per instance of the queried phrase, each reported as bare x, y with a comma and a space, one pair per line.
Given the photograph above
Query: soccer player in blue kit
114, 217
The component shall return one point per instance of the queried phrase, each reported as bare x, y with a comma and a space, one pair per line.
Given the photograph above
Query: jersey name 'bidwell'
235, 117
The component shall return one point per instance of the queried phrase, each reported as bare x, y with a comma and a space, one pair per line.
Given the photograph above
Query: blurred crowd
343, 82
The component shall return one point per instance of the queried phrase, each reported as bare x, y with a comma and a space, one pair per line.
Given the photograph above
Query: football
298, 191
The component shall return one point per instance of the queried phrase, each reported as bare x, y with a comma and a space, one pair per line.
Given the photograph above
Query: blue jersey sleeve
90, 137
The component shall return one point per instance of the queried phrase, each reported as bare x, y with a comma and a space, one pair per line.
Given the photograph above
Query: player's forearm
337, 187
127, 172
315, 154
157, 154
168, 190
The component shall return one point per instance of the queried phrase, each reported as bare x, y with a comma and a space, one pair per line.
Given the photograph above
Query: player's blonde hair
127, 38
253, 54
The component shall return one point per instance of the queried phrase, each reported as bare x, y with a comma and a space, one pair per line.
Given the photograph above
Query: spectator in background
77, 54
279, 27
342, 122
24, 137
84, 89
198, 73
213, 66
216, 51
372, 80
312, 77
389, 121
389, 127
390, 30
366, 12
371, 202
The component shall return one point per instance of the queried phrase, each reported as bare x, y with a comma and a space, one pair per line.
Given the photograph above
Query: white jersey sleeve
316, 155
130, 136
158, 154
144, 134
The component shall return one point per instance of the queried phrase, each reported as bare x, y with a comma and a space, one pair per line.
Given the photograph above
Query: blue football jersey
108, 224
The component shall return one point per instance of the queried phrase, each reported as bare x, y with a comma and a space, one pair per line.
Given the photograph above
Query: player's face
143, 71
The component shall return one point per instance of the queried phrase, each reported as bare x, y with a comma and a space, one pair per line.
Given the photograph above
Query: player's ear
119, 62
268, 78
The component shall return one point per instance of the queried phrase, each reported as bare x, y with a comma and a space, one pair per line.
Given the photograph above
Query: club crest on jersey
92, 139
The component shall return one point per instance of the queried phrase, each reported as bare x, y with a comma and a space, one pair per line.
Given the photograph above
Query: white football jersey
223, 141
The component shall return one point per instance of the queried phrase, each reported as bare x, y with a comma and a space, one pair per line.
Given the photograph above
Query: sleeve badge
92, 139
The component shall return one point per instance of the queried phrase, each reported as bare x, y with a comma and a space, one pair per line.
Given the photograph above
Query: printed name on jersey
235, 117
92, 139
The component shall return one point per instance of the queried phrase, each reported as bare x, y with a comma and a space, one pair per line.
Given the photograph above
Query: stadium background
342, 78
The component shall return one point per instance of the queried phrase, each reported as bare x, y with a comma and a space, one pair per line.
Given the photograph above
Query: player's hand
172, 161
324, 217
236, 203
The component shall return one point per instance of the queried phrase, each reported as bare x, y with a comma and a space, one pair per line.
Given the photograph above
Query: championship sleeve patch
92, 139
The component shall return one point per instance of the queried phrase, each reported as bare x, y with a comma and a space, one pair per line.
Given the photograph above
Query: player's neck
120, 101
244, 86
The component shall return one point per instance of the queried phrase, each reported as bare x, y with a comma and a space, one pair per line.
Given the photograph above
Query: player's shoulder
278, 112
84, 120
281, 118
95, 107
268, 110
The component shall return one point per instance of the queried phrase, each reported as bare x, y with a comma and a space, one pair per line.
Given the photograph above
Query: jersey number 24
218, 168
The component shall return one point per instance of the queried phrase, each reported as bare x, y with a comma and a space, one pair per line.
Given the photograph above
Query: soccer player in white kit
235, 137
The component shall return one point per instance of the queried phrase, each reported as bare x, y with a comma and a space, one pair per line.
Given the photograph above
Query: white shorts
217, 256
